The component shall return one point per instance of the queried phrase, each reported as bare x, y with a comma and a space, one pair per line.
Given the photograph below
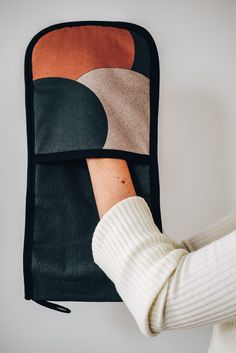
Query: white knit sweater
166, 285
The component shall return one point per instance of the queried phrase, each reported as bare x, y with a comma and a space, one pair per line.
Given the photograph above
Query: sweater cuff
128, 246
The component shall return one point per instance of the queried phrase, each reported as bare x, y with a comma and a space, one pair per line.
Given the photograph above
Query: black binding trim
81, 154
33, 159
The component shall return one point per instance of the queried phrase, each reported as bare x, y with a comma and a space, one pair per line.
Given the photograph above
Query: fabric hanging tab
53, 306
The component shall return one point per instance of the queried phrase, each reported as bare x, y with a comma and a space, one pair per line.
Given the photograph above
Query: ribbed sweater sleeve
223, 339
162, 285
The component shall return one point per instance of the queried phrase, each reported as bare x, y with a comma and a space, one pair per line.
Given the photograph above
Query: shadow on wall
193, 161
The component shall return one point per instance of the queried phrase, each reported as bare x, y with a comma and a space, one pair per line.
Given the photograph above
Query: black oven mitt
92, 90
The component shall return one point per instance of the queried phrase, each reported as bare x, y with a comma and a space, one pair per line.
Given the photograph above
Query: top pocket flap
91, 85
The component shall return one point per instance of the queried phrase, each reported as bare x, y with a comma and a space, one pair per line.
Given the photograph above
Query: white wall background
197, 149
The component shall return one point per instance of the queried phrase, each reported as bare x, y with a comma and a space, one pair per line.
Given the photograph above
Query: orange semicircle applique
70, 52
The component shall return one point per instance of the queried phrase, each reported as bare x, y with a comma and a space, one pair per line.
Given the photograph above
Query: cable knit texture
163, 284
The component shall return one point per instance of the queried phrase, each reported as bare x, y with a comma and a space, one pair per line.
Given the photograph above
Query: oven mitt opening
92, 90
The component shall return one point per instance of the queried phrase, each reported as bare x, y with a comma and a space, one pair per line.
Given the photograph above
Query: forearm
111, 182
113, 244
